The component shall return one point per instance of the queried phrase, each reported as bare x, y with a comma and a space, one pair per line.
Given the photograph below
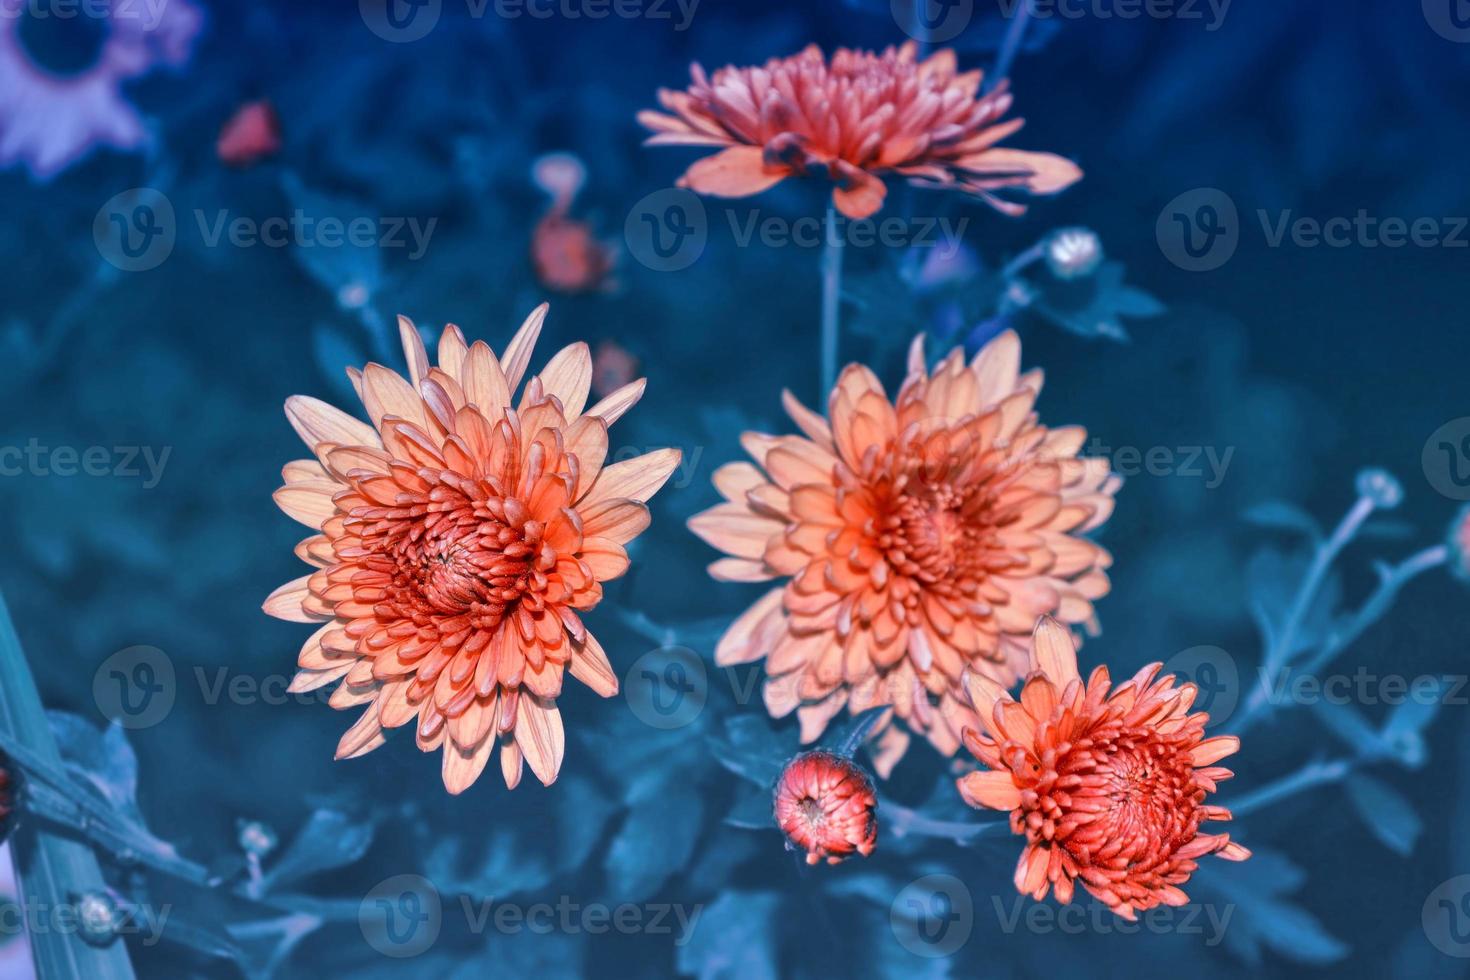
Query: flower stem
1392, 580
1011, 45
1310, 775
831, 302
1281, 649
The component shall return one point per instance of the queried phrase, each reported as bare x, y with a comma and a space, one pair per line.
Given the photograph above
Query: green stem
831, 302
54, 871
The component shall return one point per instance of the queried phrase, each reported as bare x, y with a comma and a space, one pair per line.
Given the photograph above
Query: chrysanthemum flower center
457, 551
931, 534
1126, 787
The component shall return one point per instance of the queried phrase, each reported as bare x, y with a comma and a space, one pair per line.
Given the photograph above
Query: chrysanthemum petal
317, 422
540, 737
993, 790
637, 479
517, 356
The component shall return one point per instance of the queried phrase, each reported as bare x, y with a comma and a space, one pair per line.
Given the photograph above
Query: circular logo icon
667, 230
937, 21
667, 688
1215, 673
135, 687
1446, 459
135, 230
932, 916
401, 917
1448, 18
1446, 917
1198, 230
400, 21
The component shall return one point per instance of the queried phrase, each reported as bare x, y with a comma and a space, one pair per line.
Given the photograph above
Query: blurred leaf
752, 750
656, 840
1386, 812
1282, 516
329, 840
752, 811
732, 940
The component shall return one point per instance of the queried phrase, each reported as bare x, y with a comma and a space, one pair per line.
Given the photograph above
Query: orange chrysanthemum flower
921, 538
858, 117
1107, 784
458, 539
825, 805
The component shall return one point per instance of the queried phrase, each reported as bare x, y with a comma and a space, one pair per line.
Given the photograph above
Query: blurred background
173, 172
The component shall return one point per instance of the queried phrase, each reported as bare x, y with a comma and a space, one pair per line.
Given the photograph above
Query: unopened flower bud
1381, 487
1072, 253
825, 806
1458, 542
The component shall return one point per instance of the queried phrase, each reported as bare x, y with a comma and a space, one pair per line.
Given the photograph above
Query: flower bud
9, 780
1381, 487
825, 806
1458, 542
1072, 253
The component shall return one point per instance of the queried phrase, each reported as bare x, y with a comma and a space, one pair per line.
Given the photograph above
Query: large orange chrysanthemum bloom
1107, 784
458, 538
921, 538
857, 118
